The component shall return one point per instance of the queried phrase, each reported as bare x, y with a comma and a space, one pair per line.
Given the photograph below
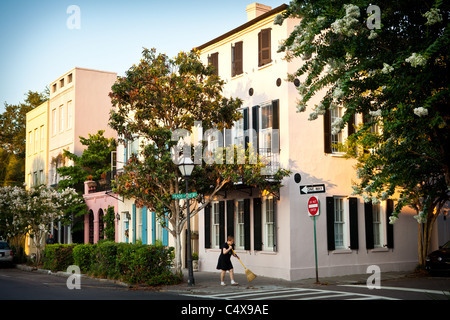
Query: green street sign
183, 195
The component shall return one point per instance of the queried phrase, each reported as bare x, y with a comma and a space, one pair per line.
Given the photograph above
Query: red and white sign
313, 206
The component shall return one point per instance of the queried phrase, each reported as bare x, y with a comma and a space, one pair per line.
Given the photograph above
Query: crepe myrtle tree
388, 63
32, 212
154, 99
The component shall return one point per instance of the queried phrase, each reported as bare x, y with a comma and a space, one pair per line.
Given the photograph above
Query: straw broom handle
238, 257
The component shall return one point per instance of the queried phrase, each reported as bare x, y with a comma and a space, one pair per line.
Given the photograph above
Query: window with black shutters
264, 47
213, 60
237, 59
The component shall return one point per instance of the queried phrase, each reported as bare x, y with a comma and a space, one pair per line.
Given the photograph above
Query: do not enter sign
313, 206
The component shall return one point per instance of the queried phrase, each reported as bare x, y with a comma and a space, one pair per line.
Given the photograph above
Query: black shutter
330, 223
246, 127
351, 125
255, 125
213, 60
264, 47
237, 59
230, 218
275, 238
208, 226
368, 217
353, 212
327, 131
276, 122
257, 224
247, 224
221, 223
389, 227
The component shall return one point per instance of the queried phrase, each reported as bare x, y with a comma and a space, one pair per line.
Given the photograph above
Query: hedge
131, 263
57, 257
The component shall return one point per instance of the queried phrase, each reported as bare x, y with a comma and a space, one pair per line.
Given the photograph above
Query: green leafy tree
13, 137
156, 98
391, 66
95, 161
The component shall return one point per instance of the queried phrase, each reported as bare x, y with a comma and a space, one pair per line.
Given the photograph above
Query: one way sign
317, 188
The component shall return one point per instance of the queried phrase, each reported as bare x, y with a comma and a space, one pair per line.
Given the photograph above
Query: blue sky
37, 46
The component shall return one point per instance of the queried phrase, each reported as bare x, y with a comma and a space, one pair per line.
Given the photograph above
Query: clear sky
37, 46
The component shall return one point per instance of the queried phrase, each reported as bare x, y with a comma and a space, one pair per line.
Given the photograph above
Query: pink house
97, 202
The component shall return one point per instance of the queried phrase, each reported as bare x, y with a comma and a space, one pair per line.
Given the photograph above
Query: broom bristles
250, 275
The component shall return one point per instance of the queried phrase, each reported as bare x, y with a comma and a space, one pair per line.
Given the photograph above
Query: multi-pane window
239, 230
339, 223
54, 122
69, 114
336, 139
268, 223
215, 225
36, 140
30, 142
61, 118
42, 134
377, 226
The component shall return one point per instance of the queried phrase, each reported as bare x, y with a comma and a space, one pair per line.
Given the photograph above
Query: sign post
314, 211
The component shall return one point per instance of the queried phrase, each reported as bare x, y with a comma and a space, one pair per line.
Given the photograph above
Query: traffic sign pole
315, 250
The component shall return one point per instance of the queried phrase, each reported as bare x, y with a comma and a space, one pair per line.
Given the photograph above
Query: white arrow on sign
318, 188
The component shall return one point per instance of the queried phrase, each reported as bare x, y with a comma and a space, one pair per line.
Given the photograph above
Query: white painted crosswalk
294, 294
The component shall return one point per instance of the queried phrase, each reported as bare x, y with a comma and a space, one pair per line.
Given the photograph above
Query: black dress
224, 262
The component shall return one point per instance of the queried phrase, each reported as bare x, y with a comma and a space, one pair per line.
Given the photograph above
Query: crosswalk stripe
295, 294
269, 291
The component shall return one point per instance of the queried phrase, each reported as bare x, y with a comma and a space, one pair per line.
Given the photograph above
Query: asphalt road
16, 284
26, 291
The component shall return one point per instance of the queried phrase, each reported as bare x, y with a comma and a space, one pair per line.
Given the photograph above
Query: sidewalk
209, 282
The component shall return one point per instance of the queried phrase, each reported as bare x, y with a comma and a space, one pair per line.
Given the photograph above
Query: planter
195, 265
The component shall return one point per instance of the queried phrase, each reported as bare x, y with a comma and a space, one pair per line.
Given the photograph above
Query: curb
67, 274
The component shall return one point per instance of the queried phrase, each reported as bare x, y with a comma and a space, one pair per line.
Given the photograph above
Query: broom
250, 275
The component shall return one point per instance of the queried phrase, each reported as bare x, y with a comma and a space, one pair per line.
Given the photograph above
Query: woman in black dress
224, 262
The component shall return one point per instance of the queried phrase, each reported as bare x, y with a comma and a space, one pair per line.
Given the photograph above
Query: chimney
254, 10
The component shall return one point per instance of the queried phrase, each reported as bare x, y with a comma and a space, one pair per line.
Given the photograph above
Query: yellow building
36, 161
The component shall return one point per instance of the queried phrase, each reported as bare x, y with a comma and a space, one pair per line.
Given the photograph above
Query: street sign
317, 188
313, 207
183, 195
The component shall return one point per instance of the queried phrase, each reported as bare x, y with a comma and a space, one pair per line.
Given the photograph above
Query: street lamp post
186, 167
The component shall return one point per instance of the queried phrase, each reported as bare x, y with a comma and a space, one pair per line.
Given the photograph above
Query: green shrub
104, 263
83, 256
133, 263
58, 257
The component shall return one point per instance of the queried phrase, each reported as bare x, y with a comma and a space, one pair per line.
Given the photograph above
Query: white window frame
61, 118
54, 129
268, 222
239, 224
69, 114
379, 222
336, 113
215, 228
341, 225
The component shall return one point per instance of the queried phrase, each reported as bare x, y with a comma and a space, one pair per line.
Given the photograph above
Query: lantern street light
186, 166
